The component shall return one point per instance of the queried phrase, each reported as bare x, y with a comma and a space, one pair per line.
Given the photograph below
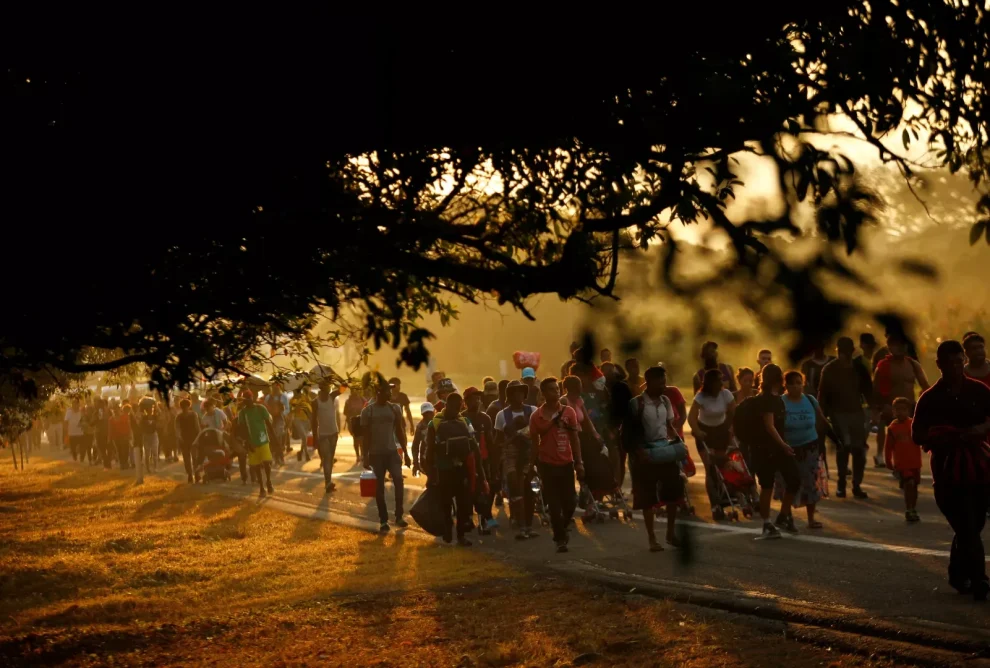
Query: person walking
650, 418
952, 420
903, 457
382, 436
709, 359
121, 431
895, 375
843, 389
770, 452
255, 426
557, 456
512, 433
451, 454
710, 418
325, 431
187, 430
484, 435
803, 424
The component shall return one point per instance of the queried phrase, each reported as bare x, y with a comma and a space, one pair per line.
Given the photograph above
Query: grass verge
96, 571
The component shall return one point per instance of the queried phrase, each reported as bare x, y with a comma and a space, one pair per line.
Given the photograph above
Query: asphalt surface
867, 563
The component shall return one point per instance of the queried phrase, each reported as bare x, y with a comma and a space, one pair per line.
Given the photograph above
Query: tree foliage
195, 212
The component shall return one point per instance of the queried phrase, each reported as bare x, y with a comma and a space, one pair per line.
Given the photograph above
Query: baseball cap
491, 387
529, 372
427, 408
445, 385
470, 392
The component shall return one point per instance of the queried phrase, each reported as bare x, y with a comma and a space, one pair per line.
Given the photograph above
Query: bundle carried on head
523, 359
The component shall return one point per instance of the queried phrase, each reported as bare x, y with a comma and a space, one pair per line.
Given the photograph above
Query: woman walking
801, 432
711, 421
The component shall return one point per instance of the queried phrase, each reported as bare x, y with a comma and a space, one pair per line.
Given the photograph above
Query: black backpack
453, 440
747, 424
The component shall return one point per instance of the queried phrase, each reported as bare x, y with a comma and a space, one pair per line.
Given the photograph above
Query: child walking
903, 456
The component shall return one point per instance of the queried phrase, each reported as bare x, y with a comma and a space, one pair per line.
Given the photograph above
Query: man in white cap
529, 380
419, 438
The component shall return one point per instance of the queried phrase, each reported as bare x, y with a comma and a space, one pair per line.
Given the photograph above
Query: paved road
866, 564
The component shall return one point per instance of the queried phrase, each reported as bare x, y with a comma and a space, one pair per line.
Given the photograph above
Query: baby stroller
541, 507
736, 486
218, 460
600, 494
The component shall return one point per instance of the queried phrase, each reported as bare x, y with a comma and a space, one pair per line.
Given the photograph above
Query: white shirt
326, 416
215, 421
655, 416
500, 419
74, 418
713, 409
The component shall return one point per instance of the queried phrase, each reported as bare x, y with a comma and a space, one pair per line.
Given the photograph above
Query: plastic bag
523, 359
429, 513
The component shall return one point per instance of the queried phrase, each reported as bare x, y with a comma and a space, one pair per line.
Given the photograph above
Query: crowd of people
548, 446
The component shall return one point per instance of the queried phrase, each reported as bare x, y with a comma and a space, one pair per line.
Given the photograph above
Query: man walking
325, 431
383, 434
844, 386
952, 421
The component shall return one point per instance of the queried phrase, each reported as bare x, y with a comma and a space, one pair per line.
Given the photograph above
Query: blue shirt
799, 426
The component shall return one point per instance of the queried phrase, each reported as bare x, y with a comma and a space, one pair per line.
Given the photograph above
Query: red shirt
983, 379
677, 401
899, 450
553, 443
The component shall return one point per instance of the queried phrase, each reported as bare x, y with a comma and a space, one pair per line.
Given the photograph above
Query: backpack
453, 440
746, 424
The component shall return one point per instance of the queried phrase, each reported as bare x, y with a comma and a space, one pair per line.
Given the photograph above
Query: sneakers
384, 528
859, 493
401, 523
770, 532
330, 488
492, 523
189, 478
561, 548
840, 493
262, 494
463, 542
271, 488
786, 522
912, 516
526, 534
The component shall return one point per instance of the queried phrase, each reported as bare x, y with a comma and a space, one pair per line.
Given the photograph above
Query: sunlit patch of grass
97, 571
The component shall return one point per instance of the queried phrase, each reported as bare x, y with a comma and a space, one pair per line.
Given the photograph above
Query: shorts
769, 460
260, 455
887, 412
903, 475
655, 483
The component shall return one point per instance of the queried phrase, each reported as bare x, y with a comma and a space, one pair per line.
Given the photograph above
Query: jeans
455, 488
77, 444
192, 458
852, 432
54, 434
105, 449
123, 446
328, 448
965, 507
151, 451
380, 463
558, 492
